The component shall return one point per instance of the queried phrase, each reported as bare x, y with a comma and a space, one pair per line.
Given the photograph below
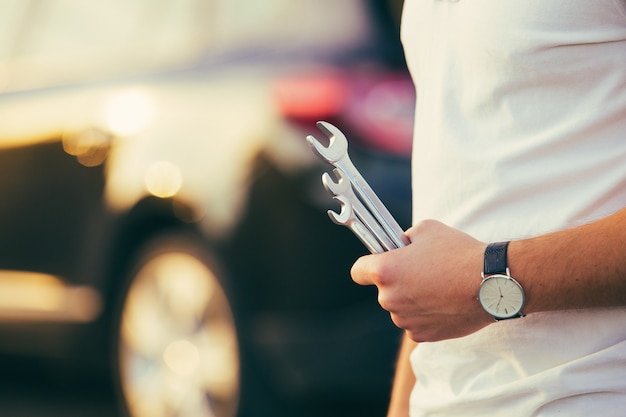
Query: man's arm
430, 286
583, 267
403, 381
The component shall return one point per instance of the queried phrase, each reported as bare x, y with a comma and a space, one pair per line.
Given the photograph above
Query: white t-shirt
520, 130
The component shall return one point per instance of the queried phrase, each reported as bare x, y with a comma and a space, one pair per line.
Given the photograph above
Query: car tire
175, 347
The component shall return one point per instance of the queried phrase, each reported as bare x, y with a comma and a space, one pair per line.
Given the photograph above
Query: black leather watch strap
495, 258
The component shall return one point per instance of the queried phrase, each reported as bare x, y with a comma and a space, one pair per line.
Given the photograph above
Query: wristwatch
499, 294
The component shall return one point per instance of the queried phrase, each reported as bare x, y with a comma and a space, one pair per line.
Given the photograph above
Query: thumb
365, 271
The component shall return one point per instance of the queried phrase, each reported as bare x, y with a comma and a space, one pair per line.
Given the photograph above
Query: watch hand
501, 297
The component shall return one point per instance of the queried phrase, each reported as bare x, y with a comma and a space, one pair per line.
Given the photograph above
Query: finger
364, 270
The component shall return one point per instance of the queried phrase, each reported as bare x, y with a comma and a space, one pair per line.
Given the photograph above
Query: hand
429, 287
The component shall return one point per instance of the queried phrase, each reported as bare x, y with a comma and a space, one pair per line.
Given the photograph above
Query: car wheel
175, 349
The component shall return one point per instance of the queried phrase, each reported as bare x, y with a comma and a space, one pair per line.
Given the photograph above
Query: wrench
342, 187
336, 153
348, 218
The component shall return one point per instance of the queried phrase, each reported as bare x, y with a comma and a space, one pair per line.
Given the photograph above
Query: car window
52, 42
47, 42
314, 24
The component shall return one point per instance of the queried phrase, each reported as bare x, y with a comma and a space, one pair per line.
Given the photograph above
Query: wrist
499, 293
523, 269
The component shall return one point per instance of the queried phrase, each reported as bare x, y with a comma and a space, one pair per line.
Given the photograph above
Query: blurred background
164, 243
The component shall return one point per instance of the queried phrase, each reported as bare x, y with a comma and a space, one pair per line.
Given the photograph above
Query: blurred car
162, 218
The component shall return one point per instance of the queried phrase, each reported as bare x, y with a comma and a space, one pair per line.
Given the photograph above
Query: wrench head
339, 186
337, 147
343, 217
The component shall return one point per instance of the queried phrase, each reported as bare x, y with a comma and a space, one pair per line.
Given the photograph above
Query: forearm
403, 381
583, 267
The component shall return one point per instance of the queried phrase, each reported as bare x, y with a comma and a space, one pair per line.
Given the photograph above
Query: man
520, 136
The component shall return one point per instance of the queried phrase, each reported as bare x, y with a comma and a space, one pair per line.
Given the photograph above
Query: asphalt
36, 389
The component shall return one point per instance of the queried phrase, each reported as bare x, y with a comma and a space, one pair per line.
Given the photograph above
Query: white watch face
501, 296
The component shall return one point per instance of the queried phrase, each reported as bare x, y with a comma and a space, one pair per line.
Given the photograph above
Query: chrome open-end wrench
343, 187
347, 217
336, 153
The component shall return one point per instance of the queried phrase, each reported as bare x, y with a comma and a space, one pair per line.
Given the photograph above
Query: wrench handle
366, 237
373, 203
360, 230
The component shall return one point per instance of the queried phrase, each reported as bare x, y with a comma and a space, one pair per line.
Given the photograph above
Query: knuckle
385, 301
424, 226
402, 322
416, 336
394, 301
381, 276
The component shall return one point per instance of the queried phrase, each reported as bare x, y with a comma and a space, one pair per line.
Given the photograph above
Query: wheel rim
178, 352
